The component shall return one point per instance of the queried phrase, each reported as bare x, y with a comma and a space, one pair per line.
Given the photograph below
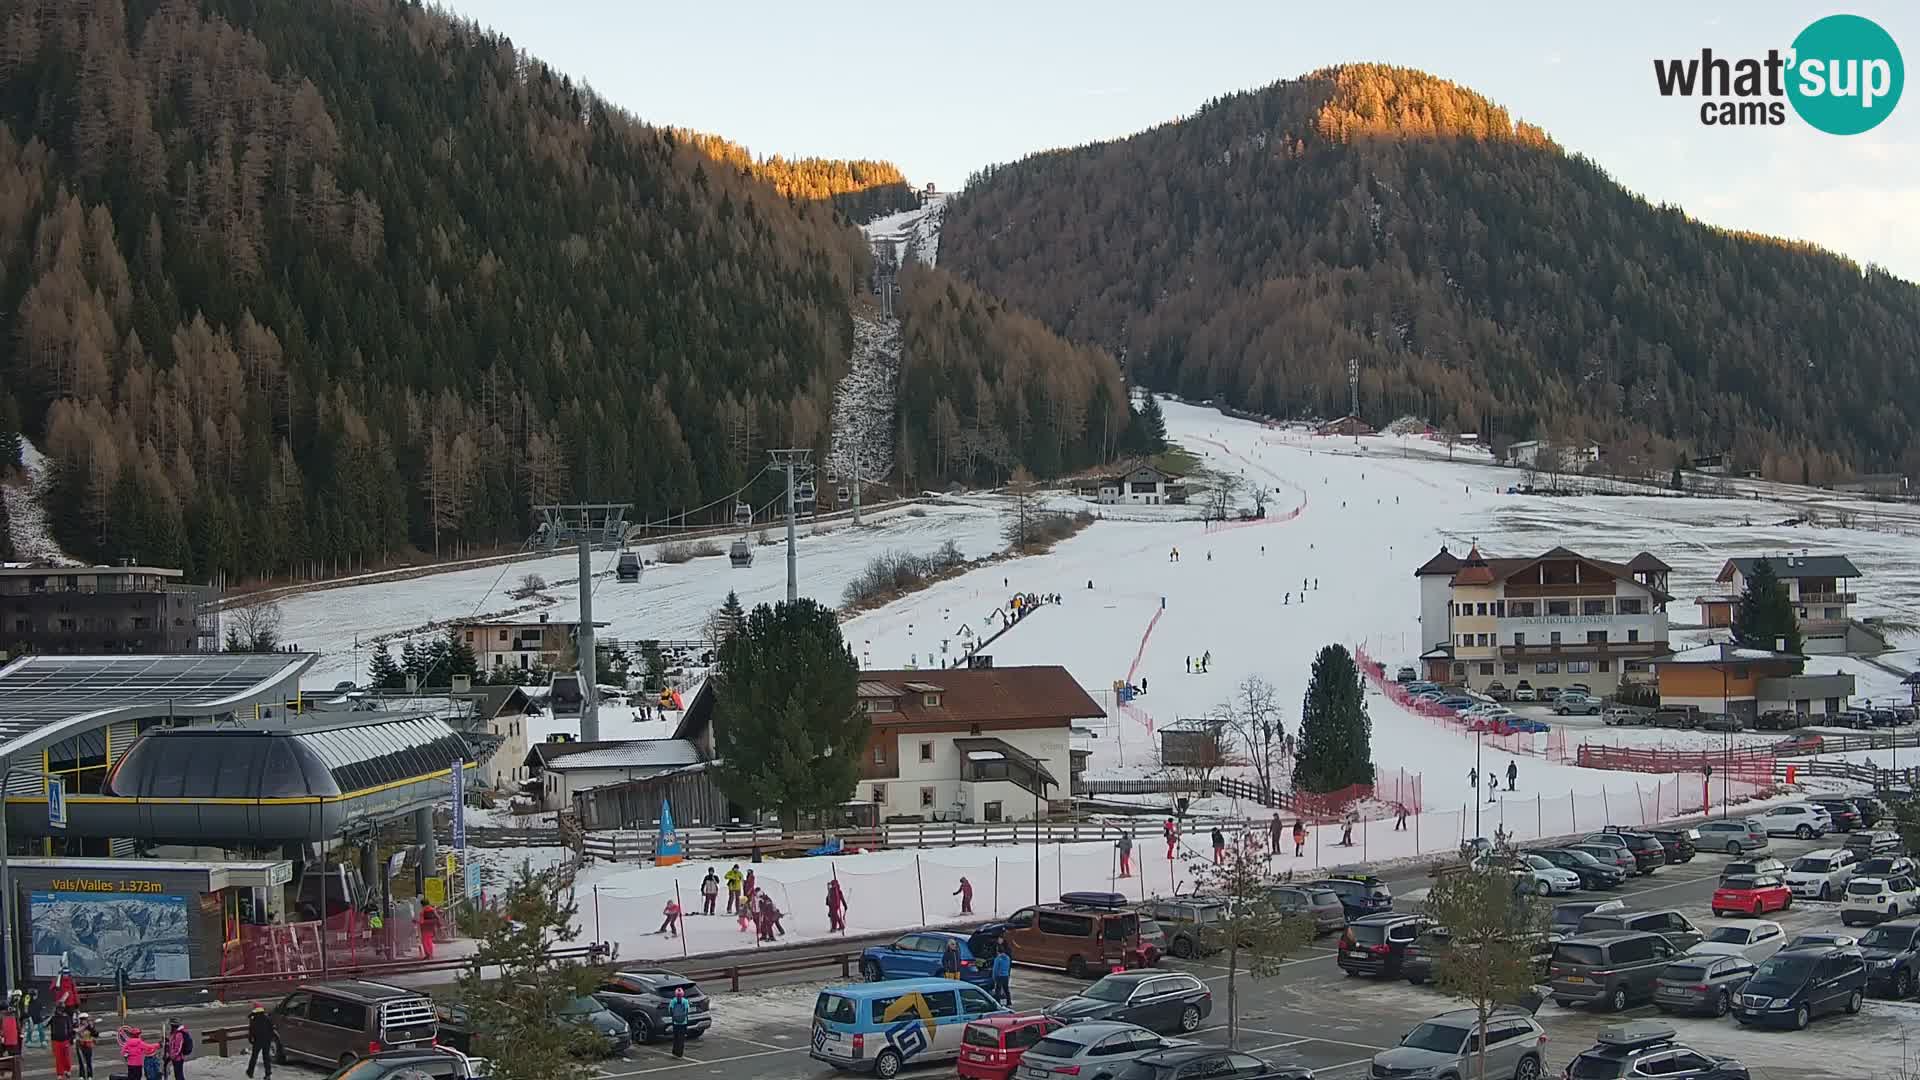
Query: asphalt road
1309, 1012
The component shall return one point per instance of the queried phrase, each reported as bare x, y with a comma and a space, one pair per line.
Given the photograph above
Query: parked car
1821, 874
1498, 691
1610, 968
1163, 1001
1677, 716
1872, 810
428, 1062
1845, 815
1180, 1062
1593, 873
1551, 693
1455, 702
1320, 904
644, 999
1614, 855
919, 955
1416, 962
1892, 952
1153, 939
1625, 716
1078, 940
1778, 720
1523, 691
1094, 1050
1853, 718
1679, 844
1377, 944
1191, 925
1732, 835
1574, 702
1647, 1048
1870, 842
1872, 899
1806, 743
1754, 941
1447, 1045
1702, 985
1761, 866
1803, 820
336, 1023
1360, 894
1405, 675
1649, 854
1796, 985
852, 1028
1812, 938
1667, 922
1751, 895
1887, 866
992, 1046
1547, 878
1564, 919
1526, 725
602, 1033
1720, 722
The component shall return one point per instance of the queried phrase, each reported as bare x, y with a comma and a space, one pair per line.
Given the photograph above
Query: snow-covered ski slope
916, 232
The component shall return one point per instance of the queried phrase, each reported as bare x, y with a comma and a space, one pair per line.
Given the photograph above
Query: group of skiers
1493, 780
1200, 667
53, 1018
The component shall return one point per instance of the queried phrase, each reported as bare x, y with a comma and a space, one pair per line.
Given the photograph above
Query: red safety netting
1548, 744
1755, 766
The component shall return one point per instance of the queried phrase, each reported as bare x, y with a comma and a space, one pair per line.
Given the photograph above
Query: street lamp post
1478, 738
7, 914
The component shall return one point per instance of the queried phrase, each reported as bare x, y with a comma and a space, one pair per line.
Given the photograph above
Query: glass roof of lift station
234, 763
44, 699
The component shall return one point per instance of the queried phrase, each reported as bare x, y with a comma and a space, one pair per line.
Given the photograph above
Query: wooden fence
701, 844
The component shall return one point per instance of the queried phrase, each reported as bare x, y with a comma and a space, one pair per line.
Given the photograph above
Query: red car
992, 1046
1799, 744
1746, 894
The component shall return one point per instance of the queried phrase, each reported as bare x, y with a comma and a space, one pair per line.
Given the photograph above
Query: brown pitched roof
972, 695
1444, 563
1647, 561
1476, 570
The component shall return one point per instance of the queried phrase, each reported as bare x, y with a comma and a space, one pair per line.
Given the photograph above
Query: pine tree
1153, 426
654, 665
789, 731
413, 662
1764, 615
732, 614
513, 1013
460, 659
382, 672
1336, 735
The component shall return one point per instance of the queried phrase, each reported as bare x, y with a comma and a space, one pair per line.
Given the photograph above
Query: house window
1480, 609
1466, 639
1605, 666
926, 751
1480, 640
469, 637
1629, 605
879, 754
1559, 607
1831, 613
1579, 667
1593, 607
1519, 638
1459, 671
1513, 669
1547, 667
1633, 635
880, 793
931, 701
1596, 637
1553, 638
1500, 609
990, 811
503, 634
1525, 609
1486, 669
926, 796
973, 729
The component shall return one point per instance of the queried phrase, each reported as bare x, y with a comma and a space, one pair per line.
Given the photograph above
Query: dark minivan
1377, 944
1796, 985
1612, 968
1360, 894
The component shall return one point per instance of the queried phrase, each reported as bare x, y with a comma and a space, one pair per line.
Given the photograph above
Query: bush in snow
679, 551
899, 572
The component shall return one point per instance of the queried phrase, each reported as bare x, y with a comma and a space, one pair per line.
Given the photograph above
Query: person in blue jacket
1002, 974
678, 1010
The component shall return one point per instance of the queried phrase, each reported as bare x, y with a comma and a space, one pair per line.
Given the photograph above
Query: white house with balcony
1820, 587
522, 643
1550, 620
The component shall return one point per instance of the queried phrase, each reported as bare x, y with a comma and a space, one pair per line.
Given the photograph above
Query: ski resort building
100, 610
1817, 585
1551, 619
564, 768
522, 643
1744, 682
1140, 483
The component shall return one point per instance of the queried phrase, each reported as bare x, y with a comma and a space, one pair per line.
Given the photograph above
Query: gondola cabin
628, 568
742, 514
741, 554
803, 495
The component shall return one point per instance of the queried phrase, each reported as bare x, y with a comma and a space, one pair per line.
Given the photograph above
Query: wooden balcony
1585, 588
1585, 650
1828, 598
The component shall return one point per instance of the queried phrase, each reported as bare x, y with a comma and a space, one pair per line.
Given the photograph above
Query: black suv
1795, 985
1360, 894
1648, 853
1846, 816
1647, 1048
1377, 944
1676, 843
1892, 952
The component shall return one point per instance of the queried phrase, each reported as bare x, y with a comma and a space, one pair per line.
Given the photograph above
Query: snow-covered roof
985, 755
1723, 652
625, 754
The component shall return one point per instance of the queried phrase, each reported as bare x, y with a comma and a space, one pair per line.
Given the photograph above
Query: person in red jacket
965, 893
836, 907
429, 925
1172, 833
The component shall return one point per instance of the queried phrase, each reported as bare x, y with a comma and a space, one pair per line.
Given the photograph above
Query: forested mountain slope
1483, 278
297, 283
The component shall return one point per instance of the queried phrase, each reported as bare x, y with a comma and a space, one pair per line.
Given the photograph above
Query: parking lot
1309, 1012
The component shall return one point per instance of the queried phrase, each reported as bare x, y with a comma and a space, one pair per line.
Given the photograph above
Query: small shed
1193, 742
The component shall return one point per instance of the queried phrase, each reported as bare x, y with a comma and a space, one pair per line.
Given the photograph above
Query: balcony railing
1584, 649
1828, 598
1585, 588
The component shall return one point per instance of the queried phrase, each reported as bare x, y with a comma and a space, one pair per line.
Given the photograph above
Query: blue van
878, 1027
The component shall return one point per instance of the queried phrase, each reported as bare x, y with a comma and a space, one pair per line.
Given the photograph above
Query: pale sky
942, 90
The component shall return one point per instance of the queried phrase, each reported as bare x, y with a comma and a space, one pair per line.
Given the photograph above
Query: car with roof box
992, 1046
1165, 1001
1080, 940
1870, 842
1821, 874
1760, 866
1892, 953
1377, 944
1318, 903
1449, 1046
1649, 1048
1360, 894
1609, 968
1182, 1062
1732, 835
1701, 985
1669, 923
1091, 1050
1796, 986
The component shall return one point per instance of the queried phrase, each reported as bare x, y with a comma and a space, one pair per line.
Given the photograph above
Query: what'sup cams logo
1842, 75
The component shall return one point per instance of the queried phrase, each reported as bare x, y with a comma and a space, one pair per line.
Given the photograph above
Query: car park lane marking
1315, 1038
691, 1062
1276, 1046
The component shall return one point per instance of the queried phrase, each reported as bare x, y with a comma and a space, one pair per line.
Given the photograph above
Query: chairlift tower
798, 464
584, 525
